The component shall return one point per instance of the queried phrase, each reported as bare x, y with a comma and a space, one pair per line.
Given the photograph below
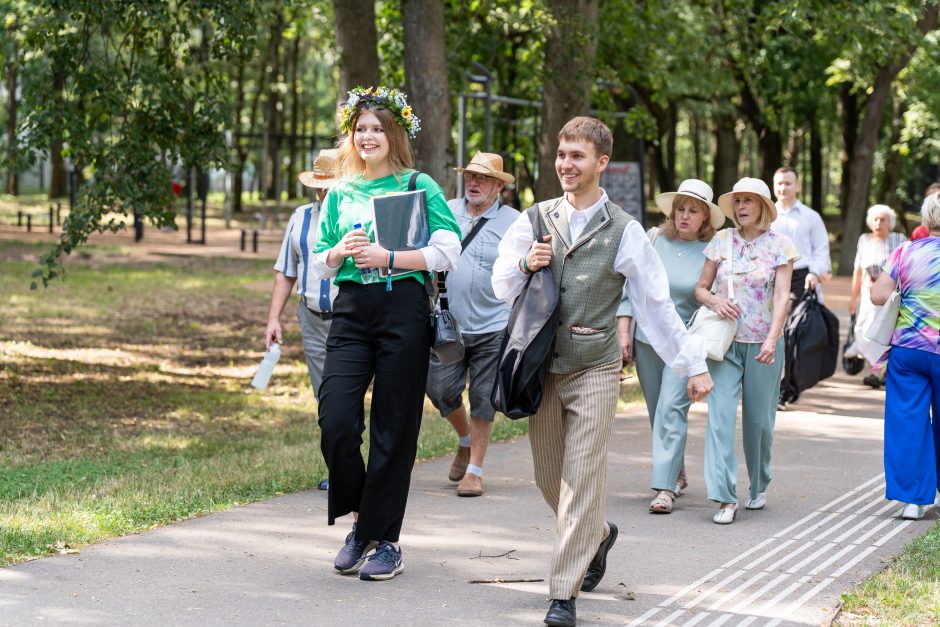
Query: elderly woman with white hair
912, 391
872, 251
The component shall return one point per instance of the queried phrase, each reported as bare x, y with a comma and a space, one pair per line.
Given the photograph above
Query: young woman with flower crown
376, 333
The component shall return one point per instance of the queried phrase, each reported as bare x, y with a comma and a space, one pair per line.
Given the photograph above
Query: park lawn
907, 592
125, 404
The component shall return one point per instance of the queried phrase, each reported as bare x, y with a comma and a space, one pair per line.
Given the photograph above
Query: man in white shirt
593, 246
807, 231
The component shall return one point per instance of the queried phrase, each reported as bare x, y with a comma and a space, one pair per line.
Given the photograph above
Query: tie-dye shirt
916, 268
754, 272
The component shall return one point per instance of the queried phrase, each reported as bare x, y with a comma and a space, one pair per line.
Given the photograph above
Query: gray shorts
447, 383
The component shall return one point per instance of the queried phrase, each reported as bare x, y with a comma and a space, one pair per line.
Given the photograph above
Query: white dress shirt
647, 285
807, 231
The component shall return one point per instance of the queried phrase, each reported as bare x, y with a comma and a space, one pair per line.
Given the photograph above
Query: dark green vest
589, 286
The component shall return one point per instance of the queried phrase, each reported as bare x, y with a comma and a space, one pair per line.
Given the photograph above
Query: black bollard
29, 223
19, 218
58, 214
51, 223
254, 241
244, 239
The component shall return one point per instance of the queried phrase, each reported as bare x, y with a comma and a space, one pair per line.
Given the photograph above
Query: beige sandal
681, 482
662, 504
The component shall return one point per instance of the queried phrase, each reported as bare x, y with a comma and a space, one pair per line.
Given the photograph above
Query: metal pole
243, 239
254, 241
204, 193
51, 216
189, 205
461, 140
227, 203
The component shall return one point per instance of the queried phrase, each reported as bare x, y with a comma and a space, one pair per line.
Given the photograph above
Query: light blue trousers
667, 403
757, 385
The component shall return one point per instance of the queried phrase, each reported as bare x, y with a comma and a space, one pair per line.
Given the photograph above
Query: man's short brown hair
787, 168
591, 130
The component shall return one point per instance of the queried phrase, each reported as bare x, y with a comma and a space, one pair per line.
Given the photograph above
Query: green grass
126, 402
907, 592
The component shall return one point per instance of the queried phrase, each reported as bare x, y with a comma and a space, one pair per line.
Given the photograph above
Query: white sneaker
910, 511
725, 515
757, 502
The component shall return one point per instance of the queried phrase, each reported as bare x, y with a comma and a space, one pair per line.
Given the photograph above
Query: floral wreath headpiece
386, 98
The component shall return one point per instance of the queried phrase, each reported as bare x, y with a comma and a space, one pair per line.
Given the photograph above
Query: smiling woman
379, 331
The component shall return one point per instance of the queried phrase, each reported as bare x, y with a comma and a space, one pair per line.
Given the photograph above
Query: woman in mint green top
380, 332
691, 220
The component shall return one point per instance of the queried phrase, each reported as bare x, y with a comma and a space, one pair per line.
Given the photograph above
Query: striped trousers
569, 437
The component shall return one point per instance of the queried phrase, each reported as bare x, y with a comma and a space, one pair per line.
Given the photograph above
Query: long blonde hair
399, 149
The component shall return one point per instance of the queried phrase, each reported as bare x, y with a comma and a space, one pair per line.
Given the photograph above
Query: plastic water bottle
368, 275
267, 366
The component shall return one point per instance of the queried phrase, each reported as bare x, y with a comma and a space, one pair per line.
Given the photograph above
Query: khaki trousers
569, 437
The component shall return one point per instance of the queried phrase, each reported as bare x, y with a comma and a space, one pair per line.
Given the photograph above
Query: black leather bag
447, 343
854, 364
811, 347
526, 351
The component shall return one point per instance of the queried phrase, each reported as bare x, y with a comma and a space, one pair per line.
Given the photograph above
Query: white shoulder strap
730, 266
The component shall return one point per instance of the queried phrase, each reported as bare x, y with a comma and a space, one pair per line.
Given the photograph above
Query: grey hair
877, 210
930, 212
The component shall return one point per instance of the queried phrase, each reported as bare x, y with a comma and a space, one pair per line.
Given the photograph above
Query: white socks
477, 470
464, 441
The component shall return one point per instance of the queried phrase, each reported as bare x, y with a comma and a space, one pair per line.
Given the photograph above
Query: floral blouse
754, 267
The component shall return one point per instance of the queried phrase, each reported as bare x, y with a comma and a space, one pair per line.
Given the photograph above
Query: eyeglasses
471, 177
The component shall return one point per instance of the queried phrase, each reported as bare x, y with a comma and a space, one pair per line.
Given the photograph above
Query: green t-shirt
347, 204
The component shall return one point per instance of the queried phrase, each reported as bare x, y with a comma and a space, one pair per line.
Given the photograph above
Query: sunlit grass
126, 402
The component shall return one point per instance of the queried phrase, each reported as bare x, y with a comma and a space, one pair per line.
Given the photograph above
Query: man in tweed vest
593, 246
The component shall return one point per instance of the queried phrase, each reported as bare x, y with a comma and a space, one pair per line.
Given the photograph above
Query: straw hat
748, 185
323, 174
693, 188
488, 164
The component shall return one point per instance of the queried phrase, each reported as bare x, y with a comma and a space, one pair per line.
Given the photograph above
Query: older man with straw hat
315, 309
468, 292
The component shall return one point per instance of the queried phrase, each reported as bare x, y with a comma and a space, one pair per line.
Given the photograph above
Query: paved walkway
825, 528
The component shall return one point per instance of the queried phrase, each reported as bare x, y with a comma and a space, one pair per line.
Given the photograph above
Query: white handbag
717, 332
882, 328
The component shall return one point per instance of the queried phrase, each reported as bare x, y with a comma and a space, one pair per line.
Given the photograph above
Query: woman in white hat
691, 221
761, 265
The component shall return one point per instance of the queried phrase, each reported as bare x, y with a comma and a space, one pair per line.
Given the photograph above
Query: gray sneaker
384, 564
353, 554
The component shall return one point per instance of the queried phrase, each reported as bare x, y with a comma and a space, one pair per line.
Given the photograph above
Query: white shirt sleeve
508, 280
442, 251
648, 289
286, 262
819, 262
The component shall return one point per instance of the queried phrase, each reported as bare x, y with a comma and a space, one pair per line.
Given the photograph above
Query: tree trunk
727, 153
241, 153
294, 121
864, 157
888, 190
568, 74
849, 114
274, 113
58, 181
428, 90
816, 163
696, 132
770, 145
13, 178
356, 43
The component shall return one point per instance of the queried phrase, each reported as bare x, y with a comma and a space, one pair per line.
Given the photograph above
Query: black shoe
598, 567
561, 613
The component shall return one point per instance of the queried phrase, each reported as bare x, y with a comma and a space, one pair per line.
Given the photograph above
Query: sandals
662, 504
681, 482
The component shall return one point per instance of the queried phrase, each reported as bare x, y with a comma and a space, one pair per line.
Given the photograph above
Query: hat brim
664, 202
726, 202
505, 177
310, 179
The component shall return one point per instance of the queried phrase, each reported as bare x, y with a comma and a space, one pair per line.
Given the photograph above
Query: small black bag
854, 364
446, 343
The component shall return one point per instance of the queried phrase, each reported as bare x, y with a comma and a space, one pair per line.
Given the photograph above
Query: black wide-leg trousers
385, 335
